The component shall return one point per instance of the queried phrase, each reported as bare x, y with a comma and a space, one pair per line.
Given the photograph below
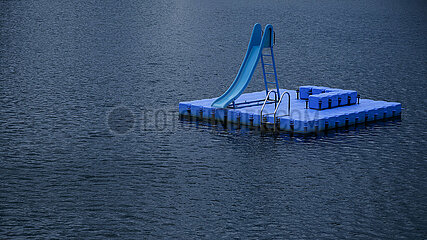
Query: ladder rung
272, 82
266, 55
269, 73
269, 64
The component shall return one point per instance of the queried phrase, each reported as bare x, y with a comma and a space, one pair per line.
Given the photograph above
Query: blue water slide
256, 44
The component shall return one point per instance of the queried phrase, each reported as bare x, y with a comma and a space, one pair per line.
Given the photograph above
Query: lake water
91, 146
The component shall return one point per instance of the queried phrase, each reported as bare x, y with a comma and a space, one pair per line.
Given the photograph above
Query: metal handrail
277, 107
278, 104
267, 99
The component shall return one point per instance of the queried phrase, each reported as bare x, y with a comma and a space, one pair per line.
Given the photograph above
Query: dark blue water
91, 146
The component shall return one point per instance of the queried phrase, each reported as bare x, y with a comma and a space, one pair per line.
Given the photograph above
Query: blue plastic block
207, 112
382, 113
321, 123
213, 113
342, 98
309, 126
352, 118
305, 91
394, 109
376, 114
318, 90
247, 118
360, 117
220, 113
339, 120
200, 113
313, 101
316, 126
195, 110
332, 90
244, 118
346, 119
270, 118
237, 117
298, 126
251, 119
257, 120
333, 97
183, 107
370, 113
398, 108
344, 94
285, 124
331, 122
353, 96
292, 125
231, 117
391, 109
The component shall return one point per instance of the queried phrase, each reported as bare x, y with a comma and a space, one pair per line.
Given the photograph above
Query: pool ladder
276, 107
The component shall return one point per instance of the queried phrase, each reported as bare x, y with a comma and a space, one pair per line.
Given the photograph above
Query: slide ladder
269, 68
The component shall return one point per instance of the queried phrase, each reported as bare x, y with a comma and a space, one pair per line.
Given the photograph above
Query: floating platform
301, 117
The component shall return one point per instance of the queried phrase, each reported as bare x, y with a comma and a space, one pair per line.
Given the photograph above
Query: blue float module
311, 109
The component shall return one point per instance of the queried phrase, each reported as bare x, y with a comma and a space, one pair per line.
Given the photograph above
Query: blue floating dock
306, 110
300, 119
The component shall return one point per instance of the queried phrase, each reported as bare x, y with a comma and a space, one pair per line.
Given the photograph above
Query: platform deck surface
300, 118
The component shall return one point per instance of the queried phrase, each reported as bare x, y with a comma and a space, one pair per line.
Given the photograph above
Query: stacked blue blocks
322, 97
